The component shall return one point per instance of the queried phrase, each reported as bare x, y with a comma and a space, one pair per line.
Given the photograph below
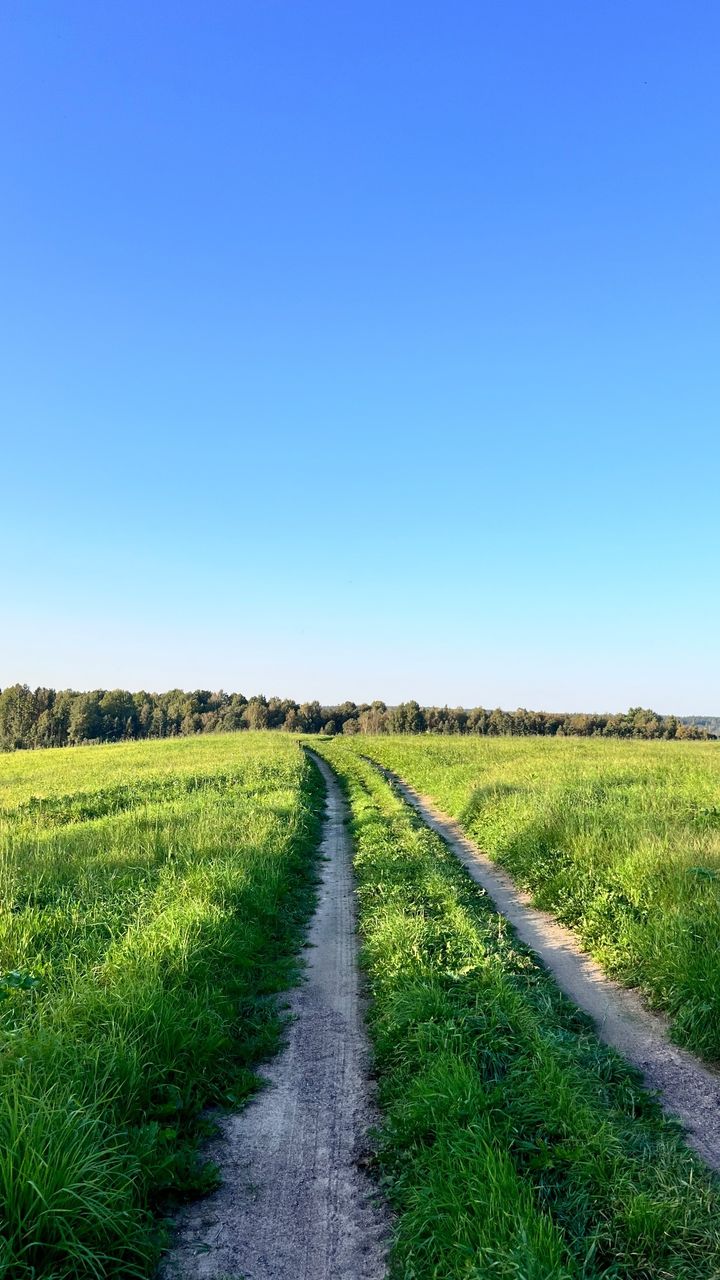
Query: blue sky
362, 350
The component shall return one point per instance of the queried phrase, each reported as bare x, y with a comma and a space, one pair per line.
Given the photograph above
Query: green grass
515, 1145
620, 840
153, 900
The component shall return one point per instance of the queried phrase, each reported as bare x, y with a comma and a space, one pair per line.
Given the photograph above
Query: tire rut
687, 1088
296, 1201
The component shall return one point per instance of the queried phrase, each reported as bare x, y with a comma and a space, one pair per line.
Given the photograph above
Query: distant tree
477, 721
16, 717
345, 712
293, 723
175, 706
191, 723
497, 722
577, 724
406, 718
278, 711
311, 717
60, 717
118, 715
256, 713
86, 720
233, 715
374, 719
44, 718
144, 713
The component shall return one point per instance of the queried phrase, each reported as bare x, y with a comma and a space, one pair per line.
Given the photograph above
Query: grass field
515, 1144
619, 839
153, 901
153, 897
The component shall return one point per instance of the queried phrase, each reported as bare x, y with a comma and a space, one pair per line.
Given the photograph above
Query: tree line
49, 718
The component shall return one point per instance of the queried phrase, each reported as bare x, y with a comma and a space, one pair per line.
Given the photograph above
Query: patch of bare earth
296, 1202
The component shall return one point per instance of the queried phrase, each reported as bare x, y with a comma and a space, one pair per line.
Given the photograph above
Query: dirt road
296, 1203
687, 1088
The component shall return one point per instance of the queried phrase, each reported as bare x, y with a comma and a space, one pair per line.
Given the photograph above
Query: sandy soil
296, 1202
687, 1088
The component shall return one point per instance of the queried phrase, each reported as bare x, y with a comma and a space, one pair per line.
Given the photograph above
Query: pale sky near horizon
356, 350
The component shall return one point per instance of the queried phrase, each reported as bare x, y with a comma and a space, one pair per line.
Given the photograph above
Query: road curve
687, 1088
296, 1202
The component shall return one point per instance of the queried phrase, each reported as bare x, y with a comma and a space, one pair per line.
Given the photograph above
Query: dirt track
688, 1089
296, 1203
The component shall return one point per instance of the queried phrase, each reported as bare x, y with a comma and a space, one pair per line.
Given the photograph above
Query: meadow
153, 901
619, 839
515, 1144
153, 898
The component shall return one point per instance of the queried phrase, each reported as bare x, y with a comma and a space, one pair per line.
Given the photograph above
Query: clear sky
362, 349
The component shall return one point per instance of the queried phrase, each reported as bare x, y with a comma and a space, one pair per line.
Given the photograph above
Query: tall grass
153, 898
621, 840
515, 1144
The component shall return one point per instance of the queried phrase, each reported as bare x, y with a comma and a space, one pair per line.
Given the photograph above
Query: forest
42, 717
